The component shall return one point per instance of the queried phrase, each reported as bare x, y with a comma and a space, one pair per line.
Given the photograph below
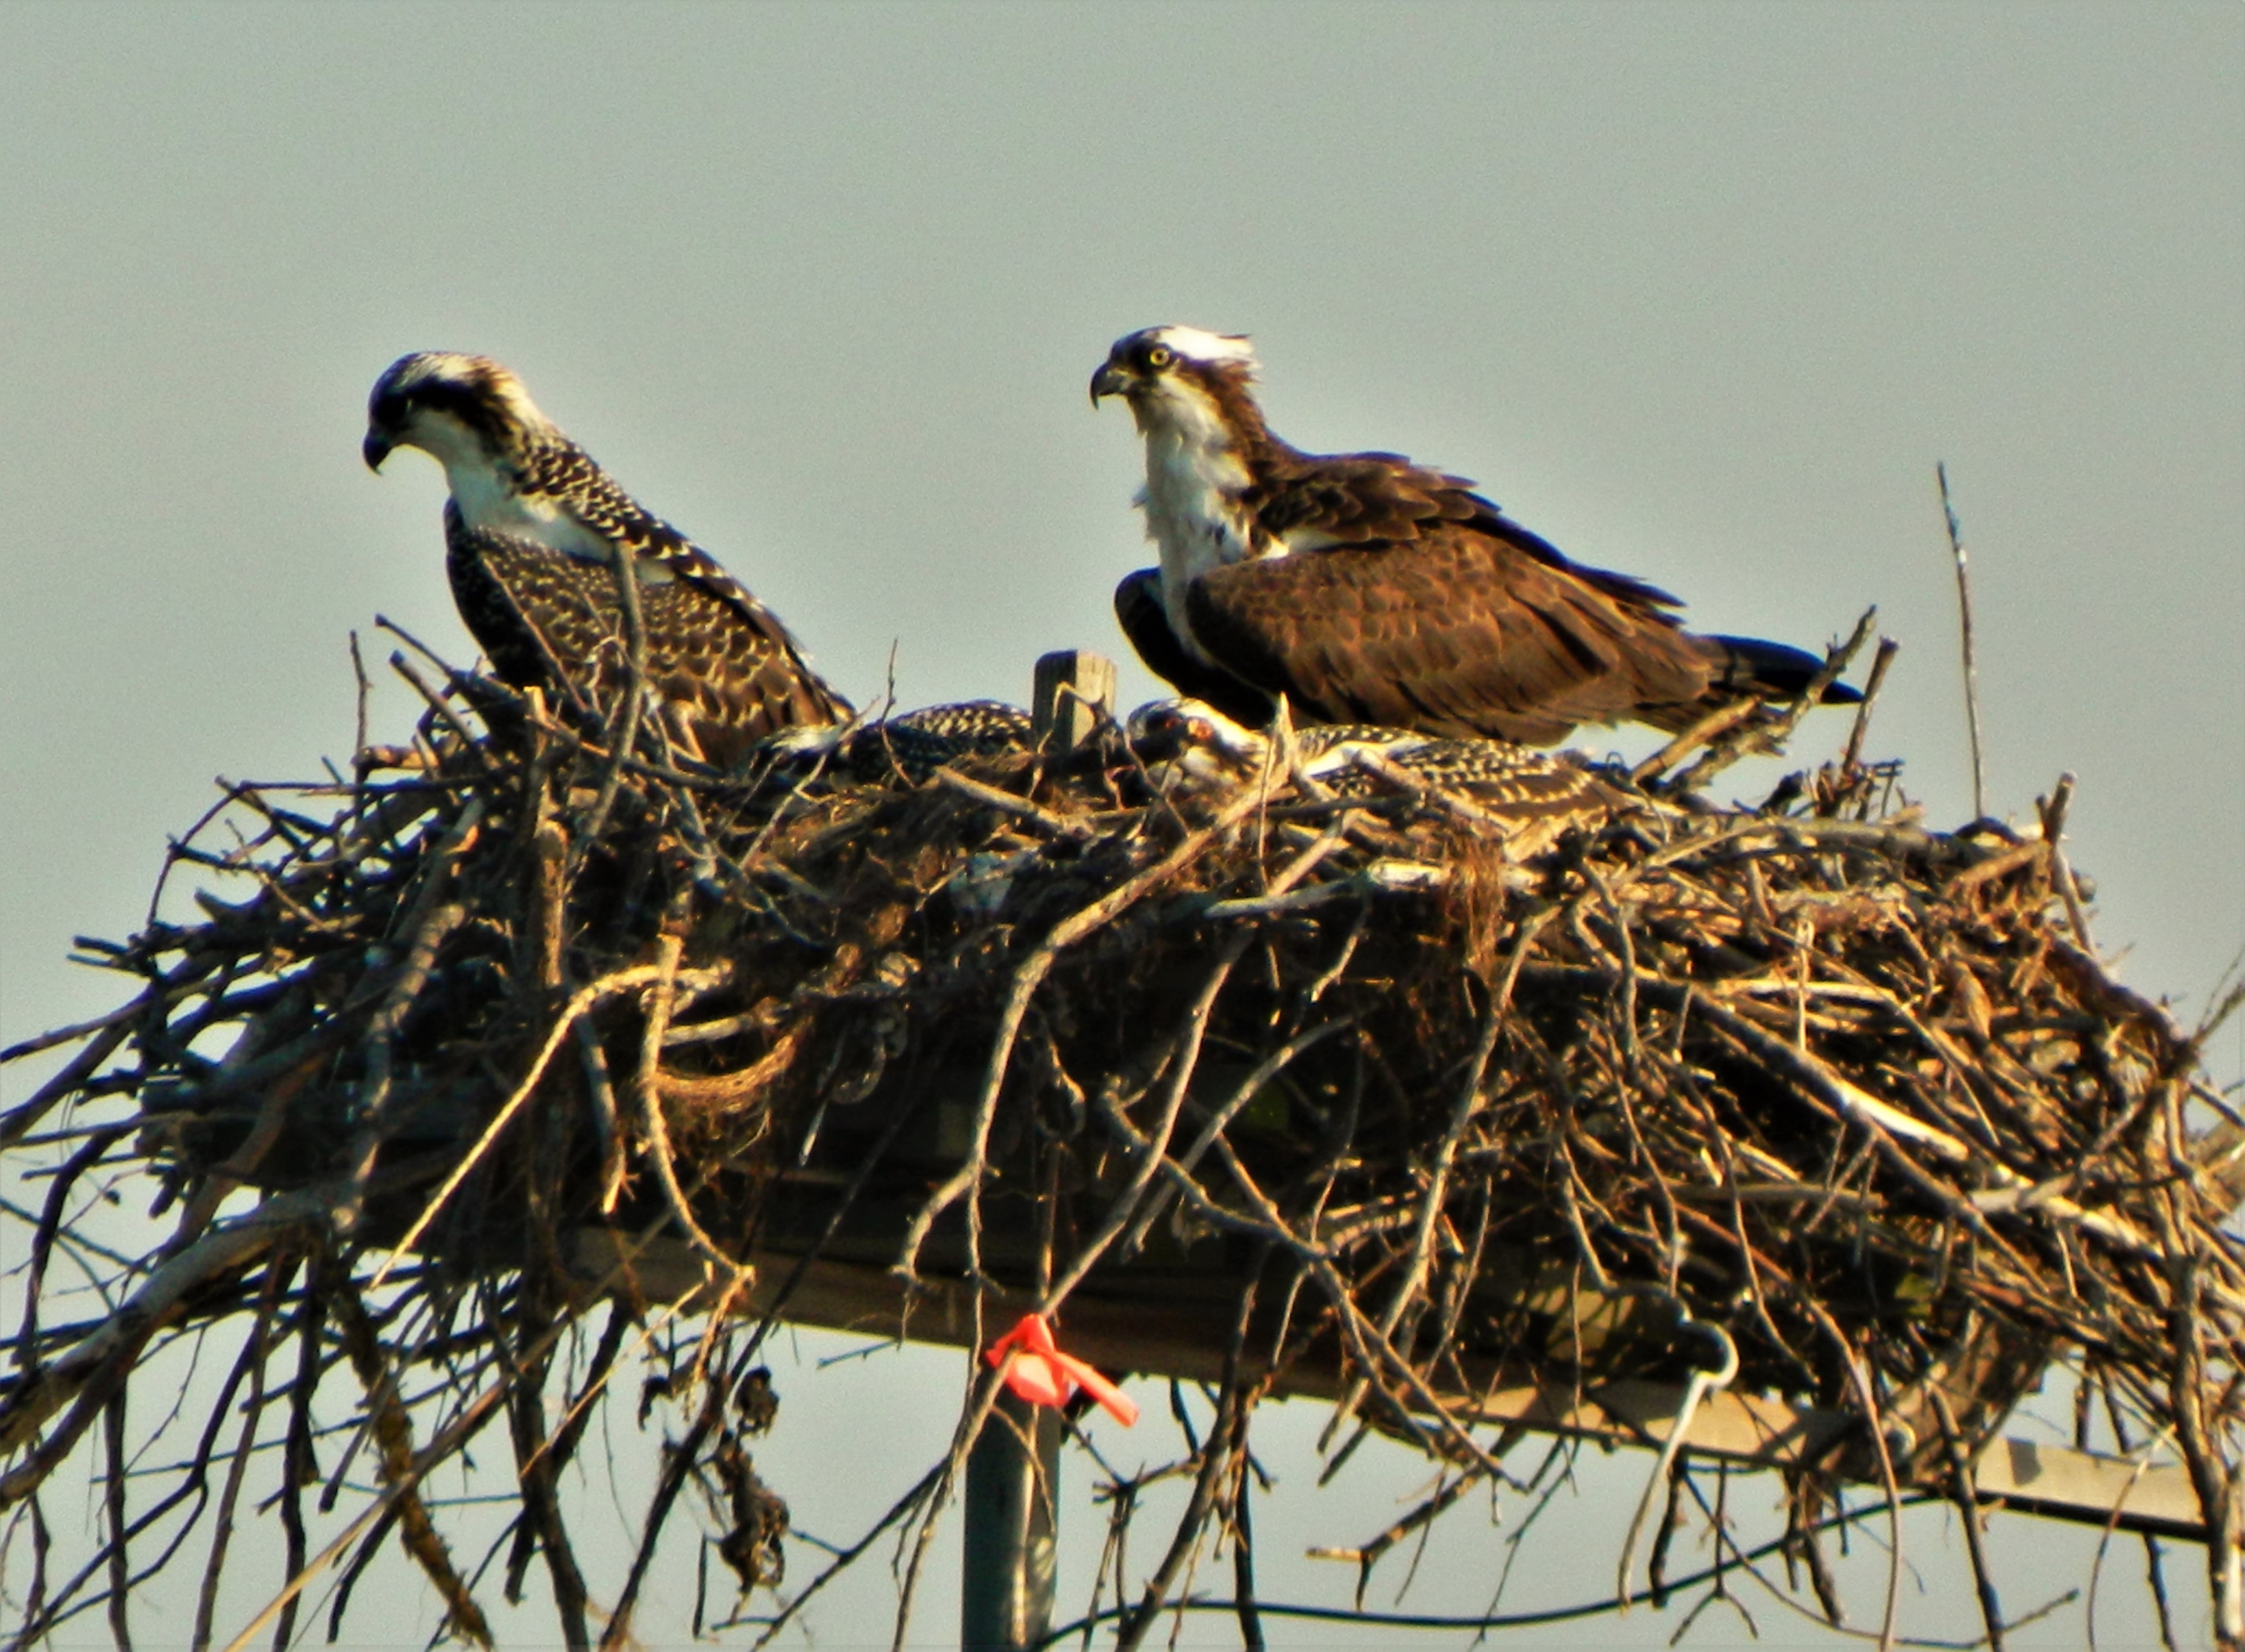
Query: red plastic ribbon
1037, 1371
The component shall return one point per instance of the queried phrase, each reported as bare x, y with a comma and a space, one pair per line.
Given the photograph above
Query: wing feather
1371, 500
1454, 631
1138, 610
563, 470
730, 666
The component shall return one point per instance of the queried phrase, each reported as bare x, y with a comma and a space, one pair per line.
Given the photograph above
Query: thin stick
667, 951
1704, 1380
1971, 664
623, 732
1968, 1504
2061, 874
1880, 661
114, 1506
1027, 978
585, 999
1772, 735
358, 671
1720, 721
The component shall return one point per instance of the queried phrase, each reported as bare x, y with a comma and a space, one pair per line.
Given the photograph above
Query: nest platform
1807, 1139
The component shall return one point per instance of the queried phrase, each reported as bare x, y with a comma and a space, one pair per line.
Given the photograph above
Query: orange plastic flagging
1037, 1371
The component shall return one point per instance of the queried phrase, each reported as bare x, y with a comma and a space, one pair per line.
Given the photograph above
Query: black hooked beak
1109, 380
374, 449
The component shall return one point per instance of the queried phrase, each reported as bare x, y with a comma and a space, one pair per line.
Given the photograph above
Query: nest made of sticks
1408, 1114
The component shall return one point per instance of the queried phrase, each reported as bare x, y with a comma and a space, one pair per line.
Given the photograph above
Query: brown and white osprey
532, 533
1368, 589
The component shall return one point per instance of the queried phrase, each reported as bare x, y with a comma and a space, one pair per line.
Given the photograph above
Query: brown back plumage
728, 670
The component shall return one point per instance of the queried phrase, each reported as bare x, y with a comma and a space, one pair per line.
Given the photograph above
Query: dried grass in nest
1419, 1116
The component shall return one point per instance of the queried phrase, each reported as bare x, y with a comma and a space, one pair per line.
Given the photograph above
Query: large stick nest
1346, 1095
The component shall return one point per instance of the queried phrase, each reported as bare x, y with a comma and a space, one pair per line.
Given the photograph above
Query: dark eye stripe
469, 403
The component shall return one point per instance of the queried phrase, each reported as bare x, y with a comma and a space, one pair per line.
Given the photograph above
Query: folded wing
1457, 632
715, 653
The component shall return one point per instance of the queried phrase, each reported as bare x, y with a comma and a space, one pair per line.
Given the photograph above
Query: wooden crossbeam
1182, 1333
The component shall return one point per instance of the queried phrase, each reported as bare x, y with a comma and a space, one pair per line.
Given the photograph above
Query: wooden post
1072, 687
1012, 1556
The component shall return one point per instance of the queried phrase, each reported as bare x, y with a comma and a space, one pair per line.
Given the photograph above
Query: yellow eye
1160, 355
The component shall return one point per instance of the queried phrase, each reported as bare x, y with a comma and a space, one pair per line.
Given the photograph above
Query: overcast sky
1701, 293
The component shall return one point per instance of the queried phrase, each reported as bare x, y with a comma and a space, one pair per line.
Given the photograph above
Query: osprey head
1159, 365
460, 409
1199, 735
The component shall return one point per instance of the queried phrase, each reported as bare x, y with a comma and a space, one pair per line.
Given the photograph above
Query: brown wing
1456, 632
1138, 610
1359, 497
731, 670
1370, 499
564, 472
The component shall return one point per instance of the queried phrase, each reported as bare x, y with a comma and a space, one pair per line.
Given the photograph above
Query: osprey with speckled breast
1195, 742
1368, 589
532, 533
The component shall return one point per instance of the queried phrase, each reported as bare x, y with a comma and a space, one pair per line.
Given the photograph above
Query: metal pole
1013, 1473
1013, 1494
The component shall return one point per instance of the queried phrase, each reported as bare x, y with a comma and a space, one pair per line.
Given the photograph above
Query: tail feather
1773, 671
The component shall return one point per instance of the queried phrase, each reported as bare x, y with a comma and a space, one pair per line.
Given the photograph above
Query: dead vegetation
506, 1039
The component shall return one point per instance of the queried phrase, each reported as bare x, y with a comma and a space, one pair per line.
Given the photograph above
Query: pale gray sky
1700, 291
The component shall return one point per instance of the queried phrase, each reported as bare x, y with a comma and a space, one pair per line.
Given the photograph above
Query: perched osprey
1368, 589
531, 532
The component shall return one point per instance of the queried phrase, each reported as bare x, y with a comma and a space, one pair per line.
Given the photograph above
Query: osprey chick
1201, 745
531, 532
1368, 589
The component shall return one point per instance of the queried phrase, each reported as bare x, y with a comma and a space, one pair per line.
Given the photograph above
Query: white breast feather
1340, 754
488, 501
1193, 481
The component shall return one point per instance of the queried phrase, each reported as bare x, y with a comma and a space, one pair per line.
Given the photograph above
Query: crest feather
1196, 345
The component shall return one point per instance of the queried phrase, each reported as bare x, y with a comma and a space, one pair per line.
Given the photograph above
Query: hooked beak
374, 449
1109, 380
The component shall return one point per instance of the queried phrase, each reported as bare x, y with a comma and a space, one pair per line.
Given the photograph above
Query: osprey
1365, 588
917, 743
532, 533
1199, 746
911, 744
